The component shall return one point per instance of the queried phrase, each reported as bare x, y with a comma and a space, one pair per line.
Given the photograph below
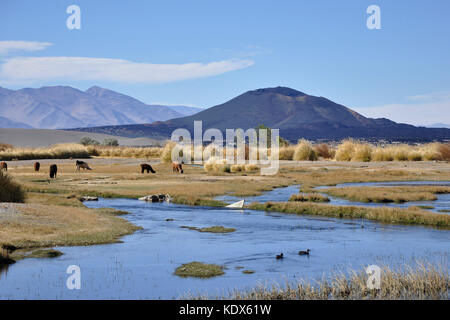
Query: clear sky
205, 52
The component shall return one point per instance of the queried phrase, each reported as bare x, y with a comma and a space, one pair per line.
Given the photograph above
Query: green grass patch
199, 270
213, 229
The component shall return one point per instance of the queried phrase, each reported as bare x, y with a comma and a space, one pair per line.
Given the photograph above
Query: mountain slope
296, 114
67, 107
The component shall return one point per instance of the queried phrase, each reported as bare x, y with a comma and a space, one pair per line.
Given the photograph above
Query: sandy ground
47, 137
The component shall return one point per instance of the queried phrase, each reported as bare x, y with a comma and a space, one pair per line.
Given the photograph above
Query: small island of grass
199, 270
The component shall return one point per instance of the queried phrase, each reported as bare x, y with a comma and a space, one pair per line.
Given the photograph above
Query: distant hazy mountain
67, 107
438, 125
296, 114
6, 123
186, 111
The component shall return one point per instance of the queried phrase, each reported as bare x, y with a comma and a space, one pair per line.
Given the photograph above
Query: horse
37, 166
82, 164
177, 167
53, 171
3, 166
147, 167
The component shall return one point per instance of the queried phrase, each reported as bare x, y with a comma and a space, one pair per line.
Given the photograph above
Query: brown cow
3, 166
53, 171
81, 164
37, 166
147, 167
177, 167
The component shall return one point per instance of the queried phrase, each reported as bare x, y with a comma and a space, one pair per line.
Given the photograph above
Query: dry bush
251, 167
5, 146
304, 151
286, 153
444, 150
324, 151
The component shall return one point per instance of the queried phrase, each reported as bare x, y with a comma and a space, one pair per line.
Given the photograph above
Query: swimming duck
279, 256
304, 253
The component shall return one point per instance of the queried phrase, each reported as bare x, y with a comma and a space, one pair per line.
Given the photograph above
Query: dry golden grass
10, 191
304, 151
125, 152
388, 194
310, 197
59, 151
36, 225
420, 282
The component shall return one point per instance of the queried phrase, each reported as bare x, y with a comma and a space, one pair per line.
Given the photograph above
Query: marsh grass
304, 151
420, 282
310, 197
125, 152
388, 194
199, 270
411, 216
213, 229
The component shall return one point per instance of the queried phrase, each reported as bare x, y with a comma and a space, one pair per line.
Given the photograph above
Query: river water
142, 266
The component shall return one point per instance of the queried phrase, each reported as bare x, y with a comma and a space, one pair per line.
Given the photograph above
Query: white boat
236, 205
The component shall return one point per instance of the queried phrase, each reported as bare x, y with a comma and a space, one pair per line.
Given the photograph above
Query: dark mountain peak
285, 91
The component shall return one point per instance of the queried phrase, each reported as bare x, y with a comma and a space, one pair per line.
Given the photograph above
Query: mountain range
295, 113
56, 107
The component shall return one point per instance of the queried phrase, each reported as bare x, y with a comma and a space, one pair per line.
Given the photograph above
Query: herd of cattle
176, 167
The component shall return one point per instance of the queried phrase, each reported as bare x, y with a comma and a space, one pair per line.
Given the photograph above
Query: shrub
324, 151
414, 156
86, 141
251, 167
304, 151
237, 168
444, 150
10, 190
111, 142
286, 153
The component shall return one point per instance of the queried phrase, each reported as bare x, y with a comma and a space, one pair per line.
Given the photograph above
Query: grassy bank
412, 216
421, 282
37, 225
388, 194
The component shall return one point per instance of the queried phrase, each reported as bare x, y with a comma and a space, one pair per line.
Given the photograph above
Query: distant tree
281, 142
111, 142
86, 141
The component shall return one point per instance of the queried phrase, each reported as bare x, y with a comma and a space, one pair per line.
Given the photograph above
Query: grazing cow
3, 166
147, 167
37, 166
177, 167
83, 165
53, 171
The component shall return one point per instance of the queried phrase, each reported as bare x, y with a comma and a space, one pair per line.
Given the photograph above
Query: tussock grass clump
310, 197
362, 153
346, 150
58, 151
10, 191
304, 151
251, 167
237, 168
420, 282
166, 154
381, 214
199, 270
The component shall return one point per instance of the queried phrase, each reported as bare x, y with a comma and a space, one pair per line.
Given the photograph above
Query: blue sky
203, 53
